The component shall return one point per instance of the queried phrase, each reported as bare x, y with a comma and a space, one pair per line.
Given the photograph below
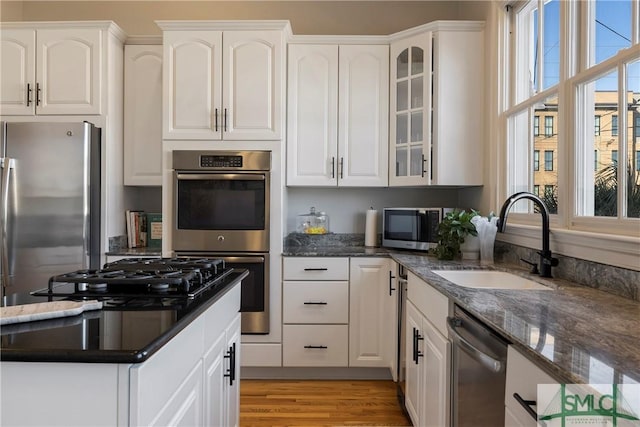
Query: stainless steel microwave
411, 228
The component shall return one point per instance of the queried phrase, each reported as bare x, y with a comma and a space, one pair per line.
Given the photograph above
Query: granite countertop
576, 333
335, 251
135, 252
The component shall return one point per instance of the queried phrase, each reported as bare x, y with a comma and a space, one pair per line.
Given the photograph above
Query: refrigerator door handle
6, 164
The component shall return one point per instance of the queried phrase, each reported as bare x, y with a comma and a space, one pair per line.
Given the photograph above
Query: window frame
610, 240
548, 160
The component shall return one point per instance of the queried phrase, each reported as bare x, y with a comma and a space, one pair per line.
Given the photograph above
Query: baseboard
315, 373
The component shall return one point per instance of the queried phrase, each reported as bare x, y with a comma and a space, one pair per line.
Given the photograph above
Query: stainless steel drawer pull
315, 303
316, 269
320, 347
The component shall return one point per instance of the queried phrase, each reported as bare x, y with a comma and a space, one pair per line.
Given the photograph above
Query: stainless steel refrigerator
49, 205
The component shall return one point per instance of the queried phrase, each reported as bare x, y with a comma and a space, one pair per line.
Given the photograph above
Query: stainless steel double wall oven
221, 210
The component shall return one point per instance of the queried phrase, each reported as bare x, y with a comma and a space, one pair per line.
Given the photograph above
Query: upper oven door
221, 211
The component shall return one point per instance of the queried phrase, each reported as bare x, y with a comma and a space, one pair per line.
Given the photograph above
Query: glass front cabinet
436, 131
410, 118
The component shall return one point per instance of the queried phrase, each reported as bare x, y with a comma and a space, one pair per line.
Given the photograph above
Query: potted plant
452, 231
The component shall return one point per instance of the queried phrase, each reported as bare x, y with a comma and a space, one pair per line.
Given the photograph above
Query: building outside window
638, 160
536, 160
536, 190
614, 157
596, 125
536, 126
614, 125
548, 160
595, 160
548, 190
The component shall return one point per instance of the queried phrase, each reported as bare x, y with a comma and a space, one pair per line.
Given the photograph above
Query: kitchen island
173, 366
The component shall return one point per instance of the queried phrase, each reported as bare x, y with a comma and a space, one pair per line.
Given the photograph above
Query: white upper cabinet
50, 71
338, 139
437, 95
222, 84
143, 115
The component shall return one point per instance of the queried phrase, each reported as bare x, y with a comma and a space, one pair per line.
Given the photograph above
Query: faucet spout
546, 259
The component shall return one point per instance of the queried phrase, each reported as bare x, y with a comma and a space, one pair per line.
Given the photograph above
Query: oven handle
220, 176
243, 259
484, 359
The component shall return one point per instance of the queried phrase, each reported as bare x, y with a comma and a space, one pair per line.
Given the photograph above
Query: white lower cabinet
428, 354
373, 308
523, 377
315, 345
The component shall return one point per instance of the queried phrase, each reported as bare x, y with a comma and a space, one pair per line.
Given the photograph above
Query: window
596, 68
536, 190
548, 160
548, 126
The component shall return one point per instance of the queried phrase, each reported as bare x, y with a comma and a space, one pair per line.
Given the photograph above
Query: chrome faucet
546, 260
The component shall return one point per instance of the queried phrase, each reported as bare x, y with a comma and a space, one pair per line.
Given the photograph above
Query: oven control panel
215, 161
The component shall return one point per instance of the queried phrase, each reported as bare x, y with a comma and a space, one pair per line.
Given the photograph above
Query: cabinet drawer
315, 345
312, 268
523, 377
430, 302
316, 302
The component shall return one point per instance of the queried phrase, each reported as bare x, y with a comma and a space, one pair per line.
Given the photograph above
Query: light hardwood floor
290, 403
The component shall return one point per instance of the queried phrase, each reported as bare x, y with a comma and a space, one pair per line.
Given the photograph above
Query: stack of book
144, 229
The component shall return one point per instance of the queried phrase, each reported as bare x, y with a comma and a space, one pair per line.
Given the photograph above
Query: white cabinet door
192, 81
413, 362
409, 121
437, 351
51, 71
142, 115
363, 81
232, 383
252, 78
184, 408
312, 115
18, 72
372, 309
69, 66
214, 383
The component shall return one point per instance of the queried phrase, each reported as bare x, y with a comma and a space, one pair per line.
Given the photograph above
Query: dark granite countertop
136, 252
575, 333
107, 335
335, 251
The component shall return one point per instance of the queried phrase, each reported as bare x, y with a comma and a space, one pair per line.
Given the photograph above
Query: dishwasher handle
489, 362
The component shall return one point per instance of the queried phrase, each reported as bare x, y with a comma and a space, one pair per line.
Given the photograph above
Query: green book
154, 230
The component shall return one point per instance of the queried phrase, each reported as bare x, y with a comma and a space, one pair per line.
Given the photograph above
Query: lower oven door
254, 294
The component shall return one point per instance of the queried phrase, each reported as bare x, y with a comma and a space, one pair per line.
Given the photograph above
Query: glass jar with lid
313, 222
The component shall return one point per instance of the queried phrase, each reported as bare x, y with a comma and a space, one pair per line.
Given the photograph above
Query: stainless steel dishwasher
479, 358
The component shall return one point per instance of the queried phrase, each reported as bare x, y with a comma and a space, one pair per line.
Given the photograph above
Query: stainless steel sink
489, 279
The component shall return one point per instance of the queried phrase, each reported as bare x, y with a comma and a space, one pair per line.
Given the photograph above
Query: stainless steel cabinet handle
29, 90
314, 303
215, 120
316, 269
321, 347
37, 93
485, 360
391, 288
225, 120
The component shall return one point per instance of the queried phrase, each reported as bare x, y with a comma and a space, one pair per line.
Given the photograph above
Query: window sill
619, 251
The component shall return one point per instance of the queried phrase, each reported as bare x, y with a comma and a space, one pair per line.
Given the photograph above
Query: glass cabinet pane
416, 160
417, 60
402, 127
401, 161
416, 92
402, 64
416, 126
402, 94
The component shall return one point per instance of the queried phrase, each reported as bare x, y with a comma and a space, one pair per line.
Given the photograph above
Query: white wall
346, 207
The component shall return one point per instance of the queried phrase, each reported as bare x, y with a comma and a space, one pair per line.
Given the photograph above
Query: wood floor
290, 403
